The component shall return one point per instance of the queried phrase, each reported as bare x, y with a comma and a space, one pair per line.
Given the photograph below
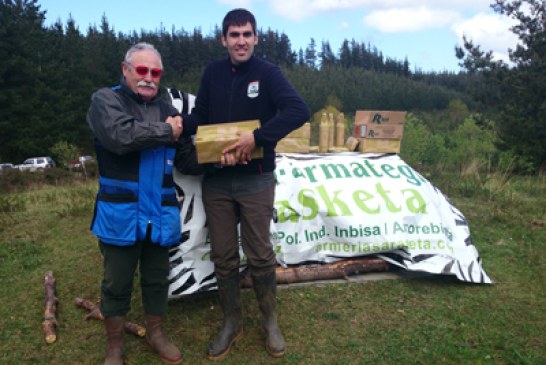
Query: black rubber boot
265, 287
114, 337
229, 293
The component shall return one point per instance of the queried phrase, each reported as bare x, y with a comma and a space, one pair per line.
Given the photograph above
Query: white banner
331, 207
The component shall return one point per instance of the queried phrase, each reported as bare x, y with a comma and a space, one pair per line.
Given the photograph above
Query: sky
425, 32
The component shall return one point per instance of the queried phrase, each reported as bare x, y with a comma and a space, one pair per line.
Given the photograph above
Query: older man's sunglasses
143, 71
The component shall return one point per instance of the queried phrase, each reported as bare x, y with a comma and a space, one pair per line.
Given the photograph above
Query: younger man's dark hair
238, 17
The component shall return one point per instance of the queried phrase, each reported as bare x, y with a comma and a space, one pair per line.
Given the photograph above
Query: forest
489, 113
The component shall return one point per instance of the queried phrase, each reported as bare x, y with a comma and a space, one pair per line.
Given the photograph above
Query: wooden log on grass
135, 329
94, 312
336, 270
92, 308
50, 320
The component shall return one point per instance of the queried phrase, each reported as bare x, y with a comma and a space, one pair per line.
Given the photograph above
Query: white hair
142, 46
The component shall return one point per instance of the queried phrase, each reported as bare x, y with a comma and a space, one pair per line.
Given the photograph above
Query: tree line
47, 75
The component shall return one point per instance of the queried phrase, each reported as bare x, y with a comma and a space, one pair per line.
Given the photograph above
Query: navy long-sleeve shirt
256, 89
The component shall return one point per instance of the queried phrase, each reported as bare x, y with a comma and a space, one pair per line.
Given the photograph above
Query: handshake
176, 125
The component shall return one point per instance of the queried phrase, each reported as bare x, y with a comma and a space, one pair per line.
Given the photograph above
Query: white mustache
143, 83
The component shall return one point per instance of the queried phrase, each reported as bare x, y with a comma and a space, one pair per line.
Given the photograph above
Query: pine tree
521, 101
21, 89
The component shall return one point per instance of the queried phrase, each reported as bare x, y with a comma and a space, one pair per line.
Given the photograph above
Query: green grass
428, 320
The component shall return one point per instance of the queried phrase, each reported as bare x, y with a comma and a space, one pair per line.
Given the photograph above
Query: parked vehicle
36, 163
85, 159
6, 166
82, 160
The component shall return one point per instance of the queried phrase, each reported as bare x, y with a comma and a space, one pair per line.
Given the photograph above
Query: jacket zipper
231, 92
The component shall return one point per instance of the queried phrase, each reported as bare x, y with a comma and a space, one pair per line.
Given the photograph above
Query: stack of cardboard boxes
375, 131
379, 131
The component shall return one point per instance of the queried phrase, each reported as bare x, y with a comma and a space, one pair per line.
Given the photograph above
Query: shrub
65, 152
15, 181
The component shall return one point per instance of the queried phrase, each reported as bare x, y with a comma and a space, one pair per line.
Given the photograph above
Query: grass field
428, 320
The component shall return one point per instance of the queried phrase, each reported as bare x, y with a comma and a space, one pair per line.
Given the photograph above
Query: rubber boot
265, 287
114, 337
229, 293
157, 339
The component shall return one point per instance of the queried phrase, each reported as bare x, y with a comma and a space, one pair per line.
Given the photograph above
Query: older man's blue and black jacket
136, 198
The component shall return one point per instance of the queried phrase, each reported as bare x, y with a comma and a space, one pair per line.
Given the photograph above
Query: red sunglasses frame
143, 71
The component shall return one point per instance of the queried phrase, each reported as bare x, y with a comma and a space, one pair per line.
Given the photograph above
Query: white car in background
6, 166
36, 163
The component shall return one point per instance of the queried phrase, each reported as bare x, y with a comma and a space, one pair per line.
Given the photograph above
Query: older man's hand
176, 125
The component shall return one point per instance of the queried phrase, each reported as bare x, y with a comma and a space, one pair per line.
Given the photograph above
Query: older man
136, 212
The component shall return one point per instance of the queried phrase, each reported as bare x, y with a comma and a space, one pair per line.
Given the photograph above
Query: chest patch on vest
253, 89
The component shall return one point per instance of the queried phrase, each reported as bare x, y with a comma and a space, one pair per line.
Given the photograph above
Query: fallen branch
92, 308
94, 312
337, 270
135, 329
50, 321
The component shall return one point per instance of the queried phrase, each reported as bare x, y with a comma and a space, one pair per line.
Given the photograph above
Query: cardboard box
293, 145
379, 117
377, 145
211, 139
297, 141
381, 131
302, 132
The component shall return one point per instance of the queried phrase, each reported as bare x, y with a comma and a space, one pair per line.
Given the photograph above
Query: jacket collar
243, 67
134, 95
